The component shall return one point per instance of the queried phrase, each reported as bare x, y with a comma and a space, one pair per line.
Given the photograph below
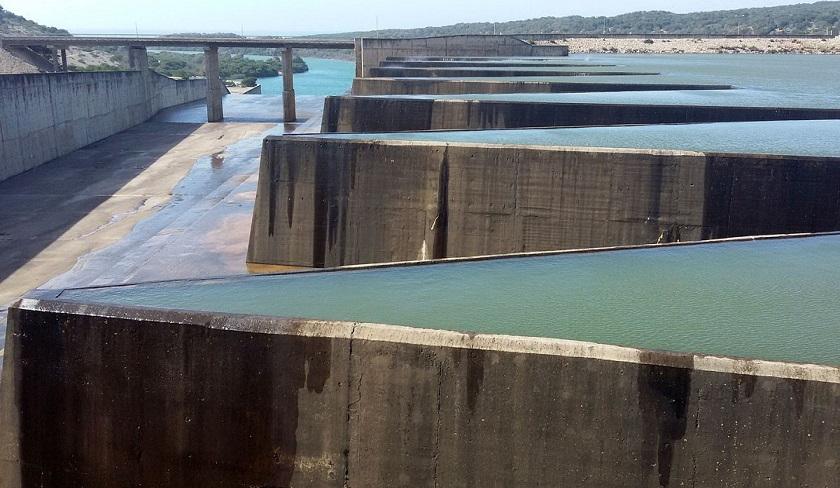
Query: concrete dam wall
384, 114
432, 86
105, 396
325, 203
44, 116
370, 52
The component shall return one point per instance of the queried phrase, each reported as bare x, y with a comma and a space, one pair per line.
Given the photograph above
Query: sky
284, 17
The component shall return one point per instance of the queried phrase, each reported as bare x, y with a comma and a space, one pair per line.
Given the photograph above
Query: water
795, 80
741, 97
819, 138
773, 299
325, 77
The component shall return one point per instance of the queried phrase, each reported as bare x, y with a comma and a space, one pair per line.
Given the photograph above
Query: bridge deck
66, 41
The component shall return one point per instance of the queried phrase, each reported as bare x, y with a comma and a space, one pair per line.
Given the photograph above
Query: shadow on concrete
41, 205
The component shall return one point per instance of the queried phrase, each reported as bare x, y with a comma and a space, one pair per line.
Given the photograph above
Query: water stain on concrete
664, 393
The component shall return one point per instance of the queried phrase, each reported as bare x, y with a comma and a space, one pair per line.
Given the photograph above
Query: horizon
330, 16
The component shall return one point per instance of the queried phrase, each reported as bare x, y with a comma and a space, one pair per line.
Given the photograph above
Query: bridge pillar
214, 84
64, 60
289, 114
138, 58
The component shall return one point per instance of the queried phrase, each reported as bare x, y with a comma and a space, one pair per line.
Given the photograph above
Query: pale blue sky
322, 16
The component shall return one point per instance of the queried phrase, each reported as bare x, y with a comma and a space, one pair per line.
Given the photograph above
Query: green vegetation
15, 25
806, 18
231, 67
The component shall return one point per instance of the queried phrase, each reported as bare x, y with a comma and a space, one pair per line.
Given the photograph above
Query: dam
623, 274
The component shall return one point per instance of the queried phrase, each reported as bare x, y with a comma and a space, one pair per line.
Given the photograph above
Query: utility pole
605, 25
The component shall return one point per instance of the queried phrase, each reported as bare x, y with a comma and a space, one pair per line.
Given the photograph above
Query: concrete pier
138, 58
214, 84
289, 110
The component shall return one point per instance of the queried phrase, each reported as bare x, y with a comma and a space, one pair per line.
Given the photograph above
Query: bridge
51, 52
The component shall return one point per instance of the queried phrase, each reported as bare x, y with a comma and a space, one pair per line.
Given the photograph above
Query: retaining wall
369, 52
368, 114
324, 203
44, 116
102, 396
431, 86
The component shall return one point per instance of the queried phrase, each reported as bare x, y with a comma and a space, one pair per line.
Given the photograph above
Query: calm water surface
774, 299
325, 77
801, 138
795, 80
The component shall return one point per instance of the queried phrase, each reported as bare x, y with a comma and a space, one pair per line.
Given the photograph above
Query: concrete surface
431, 86
370, 52
325, 203
160, 200
255, 401
388, 114
44, 116
245, 90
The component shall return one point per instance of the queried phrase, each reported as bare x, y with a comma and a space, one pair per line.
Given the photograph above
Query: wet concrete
169, 198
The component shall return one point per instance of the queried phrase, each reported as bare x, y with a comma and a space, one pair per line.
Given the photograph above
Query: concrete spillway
214, 398
515, 63
507, 71
391, 114
338, 199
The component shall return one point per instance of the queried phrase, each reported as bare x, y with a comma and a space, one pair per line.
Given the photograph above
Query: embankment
44, 116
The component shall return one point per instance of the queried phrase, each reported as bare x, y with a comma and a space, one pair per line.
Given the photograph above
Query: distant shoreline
750, 45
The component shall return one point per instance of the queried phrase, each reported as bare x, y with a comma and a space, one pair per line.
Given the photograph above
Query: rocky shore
752, 45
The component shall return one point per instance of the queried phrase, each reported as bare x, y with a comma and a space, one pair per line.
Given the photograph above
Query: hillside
15, 25
806, 18
231, 66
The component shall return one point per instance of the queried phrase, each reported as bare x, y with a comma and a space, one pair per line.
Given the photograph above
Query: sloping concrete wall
431, 86
44, 116
102, 397
324, 203
370, 52
356, 114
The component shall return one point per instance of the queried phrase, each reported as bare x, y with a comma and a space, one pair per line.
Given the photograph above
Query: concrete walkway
161, 200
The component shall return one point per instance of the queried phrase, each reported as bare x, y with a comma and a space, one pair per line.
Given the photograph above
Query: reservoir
325, 77
761, 79
772, 299
800, 138
739, 97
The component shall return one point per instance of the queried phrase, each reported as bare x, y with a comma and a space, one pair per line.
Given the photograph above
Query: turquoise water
796, 80
325, 77
800, 138
741, 97
773, 299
